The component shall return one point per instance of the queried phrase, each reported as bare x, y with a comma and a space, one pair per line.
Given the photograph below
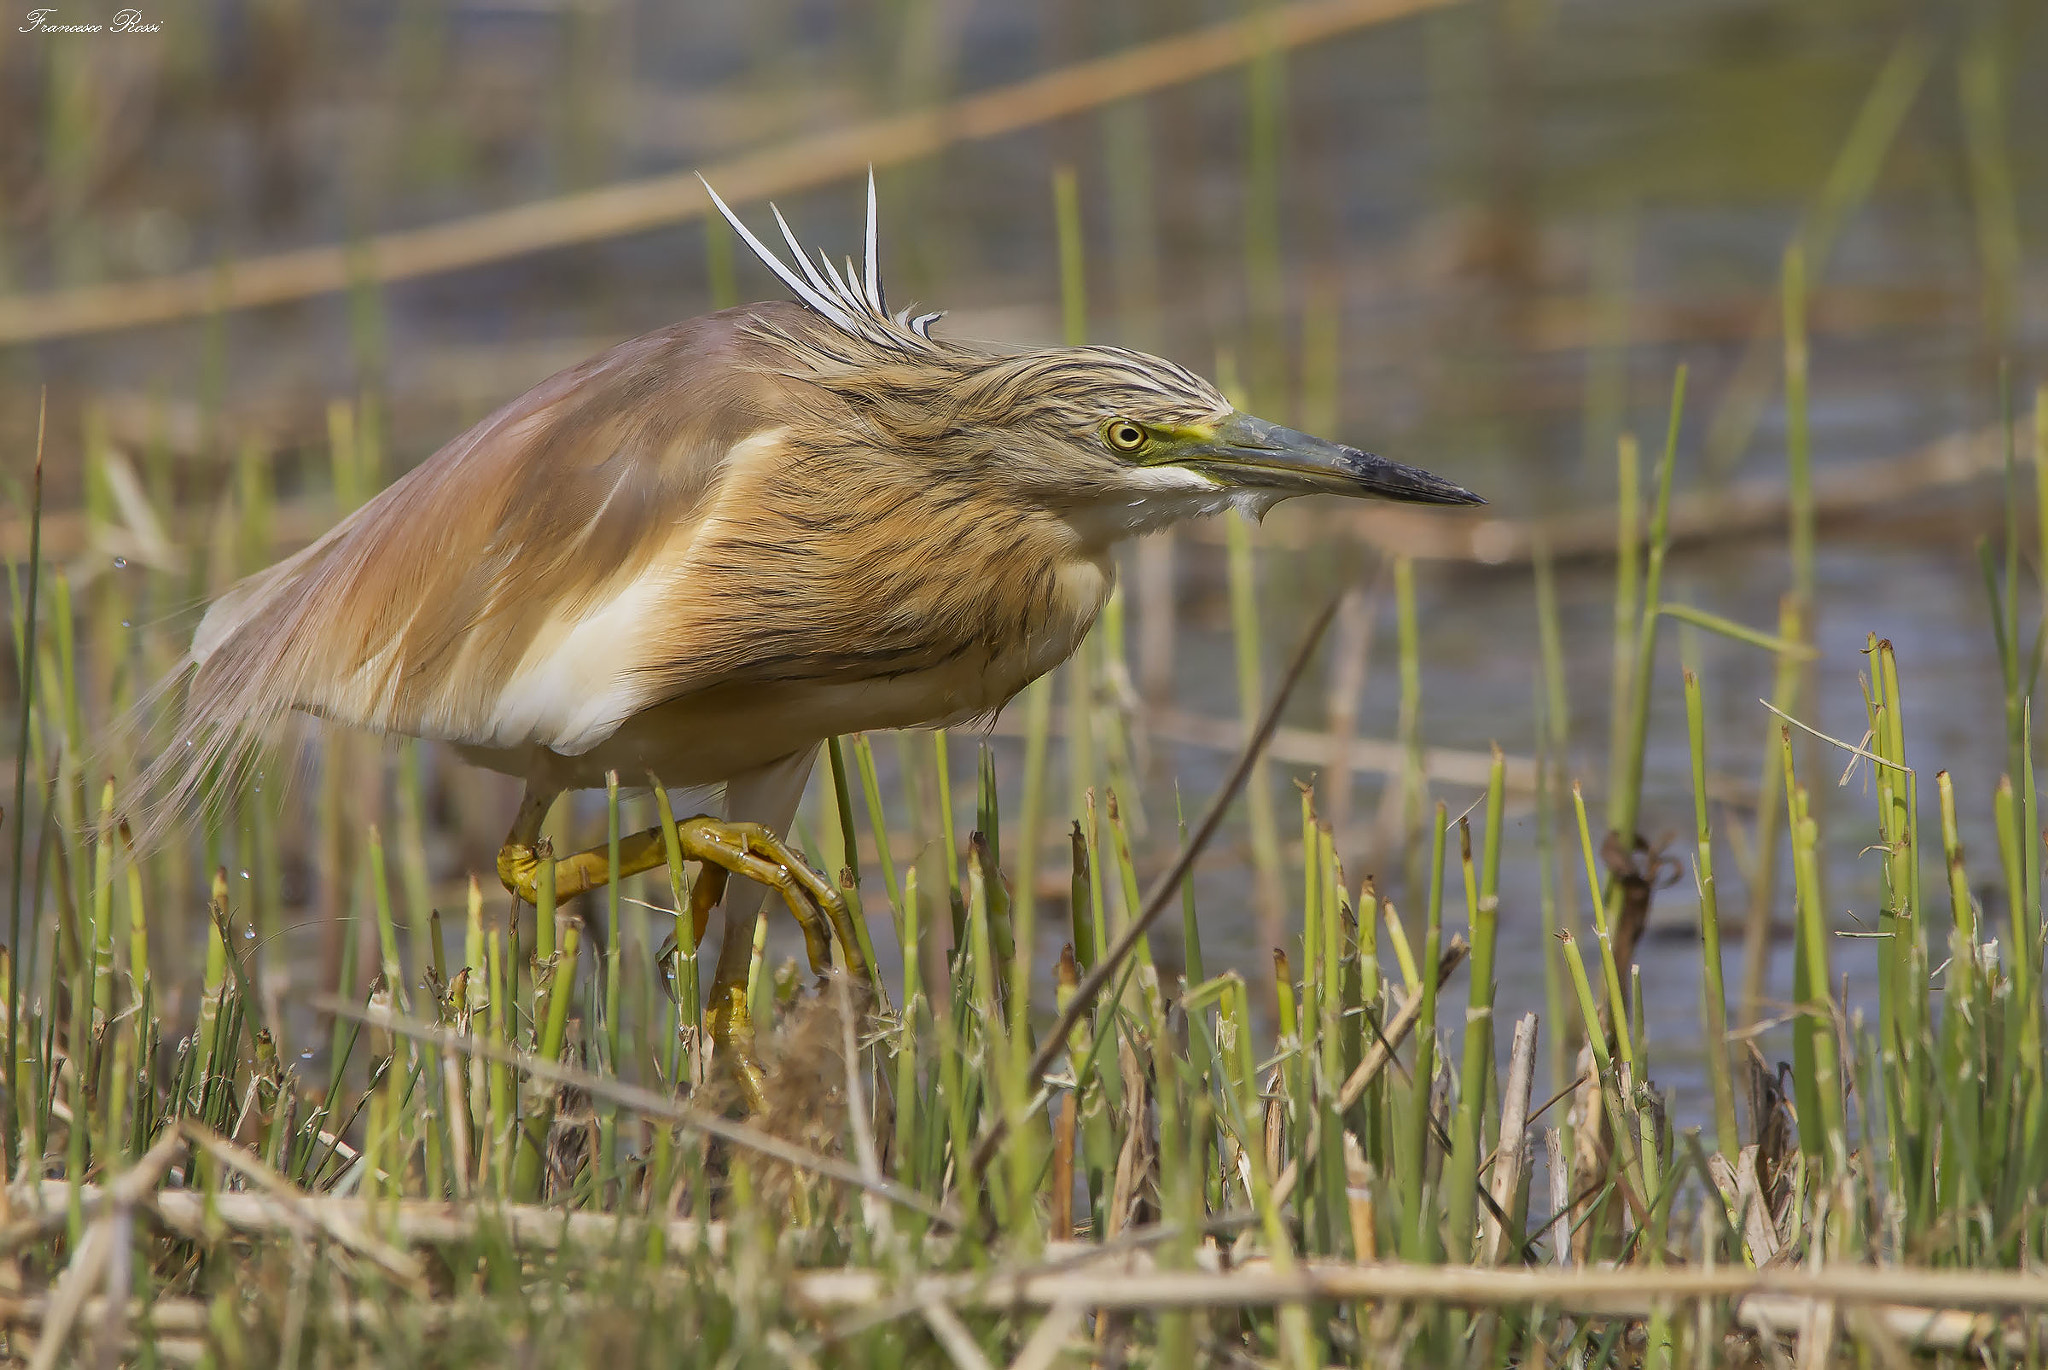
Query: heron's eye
1124, 435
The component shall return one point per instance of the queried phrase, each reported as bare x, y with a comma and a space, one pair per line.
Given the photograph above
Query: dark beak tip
1449, 499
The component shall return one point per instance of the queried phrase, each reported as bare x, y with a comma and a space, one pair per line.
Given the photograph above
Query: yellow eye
1124, 435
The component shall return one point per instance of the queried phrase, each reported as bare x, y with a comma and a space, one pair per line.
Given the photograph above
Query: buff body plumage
700, 554
661, 561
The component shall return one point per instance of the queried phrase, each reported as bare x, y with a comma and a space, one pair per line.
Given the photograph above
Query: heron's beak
1252, 452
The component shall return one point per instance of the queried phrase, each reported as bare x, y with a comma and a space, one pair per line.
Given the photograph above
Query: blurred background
262, 255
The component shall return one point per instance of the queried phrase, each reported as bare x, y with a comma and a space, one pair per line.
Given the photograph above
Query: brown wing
425, 611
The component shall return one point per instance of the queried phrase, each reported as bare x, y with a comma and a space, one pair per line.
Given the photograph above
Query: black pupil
1127, 435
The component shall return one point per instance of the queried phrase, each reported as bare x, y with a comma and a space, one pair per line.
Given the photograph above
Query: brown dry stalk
1924, 1308
1062, 1223
31, 1220
293, 1204
1514, 1122
634, 206
528, 1227
1928, 1294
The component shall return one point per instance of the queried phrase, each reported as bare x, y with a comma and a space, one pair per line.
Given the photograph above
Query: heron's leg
726, 1017
738, 848
724, 849
519, 858
580, 872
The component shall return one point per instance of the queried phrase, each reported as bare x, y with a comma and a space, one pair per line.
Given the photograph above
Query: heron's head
1114, 440
1143, 442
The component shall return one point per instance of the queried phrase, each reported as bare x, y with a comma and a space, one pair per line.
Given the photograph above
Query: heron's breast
1045, 623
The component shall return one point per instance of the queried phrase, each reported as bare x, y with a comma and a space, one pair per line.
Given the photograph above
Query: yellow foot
732, 1034
747, 849
519, 870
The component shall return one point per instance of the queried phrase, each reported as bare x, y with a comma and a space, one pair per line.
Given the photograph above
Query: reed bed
497, 1134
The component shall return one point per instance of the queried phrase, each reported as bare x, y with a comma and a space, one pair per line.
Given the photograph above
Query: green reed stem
1610, 973
1461, 1172
1798, 443
878, 822
1625, 801
551, 1018
102, 945
614, 950
1604, 1061
1820, 1072
1766, 839
1553, 734
908, 1117
1419, 1242
1414, 775
1628, 551
1066, 213
387, 930
1246, 637
25, 651
1031, 821
1960, 1011
689, 997
1190, 927
2028, 926
1715, 999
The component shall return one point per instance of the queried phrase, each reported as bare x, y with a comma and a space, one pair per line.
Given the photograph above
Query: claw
753, 851
519, 870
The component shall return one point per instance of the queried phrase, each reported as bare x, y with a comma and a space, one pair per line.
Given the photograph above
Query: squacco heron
700, 554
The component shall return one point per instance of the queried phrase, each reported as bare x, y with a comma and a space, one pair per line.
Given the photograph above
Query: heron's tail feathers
240, 680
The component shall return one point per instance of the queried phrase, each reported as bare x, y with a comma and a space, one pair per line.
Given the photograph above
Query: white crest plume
853, 303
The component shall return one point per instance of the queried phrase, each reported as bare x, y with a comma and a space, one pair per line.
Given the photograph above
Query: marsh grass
517, 1143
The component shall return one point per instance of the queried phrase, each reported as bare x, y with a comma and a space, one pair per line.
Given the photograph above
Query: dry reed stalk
1560, 1193
1135, 1163
953, 1334
1358, 1200
179, 1323
1049, 1339
1592, 1155
1768, 1299
410, 1222
1514, 1121
1933, 1295
1062, 1221
81, 1274
292, 1204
